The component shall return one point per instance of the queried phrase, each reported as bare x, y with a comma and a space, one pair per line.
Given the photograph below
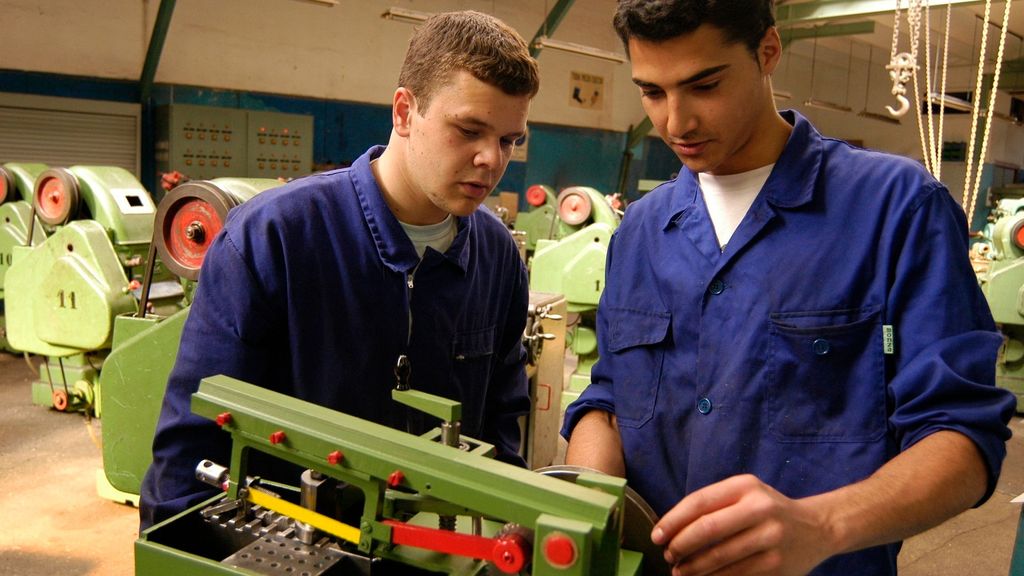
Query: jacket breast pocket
636, 344
472, 358
827, 376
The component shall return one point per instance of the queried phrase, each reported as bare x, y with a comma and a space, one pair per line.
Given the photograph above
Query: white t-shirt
729, 197
438, 236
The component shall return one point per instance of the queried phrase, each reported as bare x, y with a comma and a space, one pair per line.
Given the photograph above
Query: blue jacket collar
791, 183
393, 245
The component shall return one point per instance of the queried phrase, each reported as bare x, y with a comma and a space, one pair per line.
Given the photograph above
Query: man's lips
689, 148
475, 189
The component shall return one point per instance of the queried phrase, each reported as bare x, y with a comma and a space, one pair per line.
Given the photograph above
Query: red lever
507, 553
223, 418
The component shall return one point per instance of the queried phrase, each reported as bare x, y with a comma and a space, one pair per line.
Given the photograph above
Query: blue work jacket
841, 324
314, 290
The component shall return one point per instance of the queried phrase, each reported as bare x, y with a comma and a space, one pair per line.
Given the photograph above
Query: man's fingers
734, 555
710, 530
767, 562
702, 502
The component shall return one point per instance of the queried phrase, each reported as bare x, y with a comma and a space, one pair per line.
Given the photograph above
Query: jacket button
704, 406
716, 287
821, 346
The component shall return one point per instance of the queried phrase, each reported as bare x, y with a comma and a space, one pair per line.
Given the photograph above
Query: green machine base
5, 346
107, 491
69, 384
132, 389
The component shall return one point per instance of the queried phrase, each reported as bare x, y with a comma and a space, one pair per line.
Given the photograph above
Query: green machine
553, 218
374, 500
143, 350
62, 296
574, 266
999, 262
16, 184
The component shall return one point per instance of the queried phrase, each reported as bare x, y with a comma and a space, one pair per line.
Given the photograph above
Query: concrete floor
55, 524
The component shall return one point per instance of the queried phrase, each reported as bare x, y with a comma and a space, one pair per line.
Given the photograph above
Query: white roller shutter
69, 131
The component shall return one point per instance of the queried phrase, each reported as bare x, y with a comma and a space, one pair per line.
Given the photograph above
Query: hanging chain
902, 65
937, 144
914, 25
970, 192
991, 102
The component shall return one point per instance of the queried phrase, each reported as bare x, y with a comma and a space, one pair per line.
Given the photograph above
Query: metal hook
903, 109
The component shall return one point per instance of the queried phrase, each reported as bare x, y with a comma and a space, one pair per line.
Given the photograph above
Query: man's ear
402, 107
769, 52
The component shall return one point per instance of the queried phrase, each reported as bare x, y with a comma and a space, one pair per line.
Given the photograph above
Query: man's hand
743, 526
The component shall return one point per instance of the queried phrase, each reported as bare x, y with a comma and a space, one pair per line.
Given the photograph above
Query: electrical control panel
204, 142
279, 145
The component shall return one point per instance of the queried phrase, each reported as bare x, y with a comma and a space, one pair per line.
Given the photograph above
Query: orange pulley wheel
55, 196
60, 400
536, 195
6, 184
574, 206
187, 220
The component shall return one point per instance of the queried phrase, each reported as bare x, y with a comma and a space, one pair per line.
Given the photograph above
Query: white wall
349, 53
298, 48
834, 83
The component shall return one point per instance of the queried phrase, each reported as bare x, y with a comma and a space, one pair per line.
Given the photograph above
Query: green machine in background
574, 266
554, 218
374, 500
62, 296
16, 185
999, 263
135, 372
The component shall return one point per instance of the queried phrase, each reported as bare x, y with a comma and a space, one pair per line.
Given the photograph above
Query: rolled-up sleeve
945, 341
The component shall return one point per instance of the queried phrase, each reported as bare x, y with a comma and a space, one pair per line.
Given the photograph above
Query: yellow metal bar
314, 519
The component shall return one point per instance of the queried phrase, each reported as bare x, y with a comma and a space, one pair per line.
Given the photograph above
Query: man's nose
681, 118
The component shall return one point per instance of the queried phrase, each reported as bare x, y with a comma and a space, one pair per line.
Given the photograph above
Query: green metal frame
589, 511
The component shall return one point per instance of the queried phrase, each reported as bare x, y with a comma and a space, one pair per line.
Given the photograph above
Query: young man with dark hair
797, 365
320, 288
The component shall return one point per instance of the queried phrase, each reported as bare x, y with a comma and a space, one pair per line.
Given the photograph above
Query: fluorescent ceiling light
826, 105
545, 42
325, 3
405, 15
951, 102
782, 95
880, 117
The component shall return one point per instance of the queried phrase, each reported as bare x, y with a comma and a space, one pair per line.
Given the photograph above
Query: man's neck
397, 192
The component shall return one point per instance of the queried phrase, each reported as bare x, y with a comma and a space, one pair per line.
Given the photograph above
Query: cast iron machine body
574, 266
144, 346
555, 217
524, 522
16, 182
999, 264
62, 295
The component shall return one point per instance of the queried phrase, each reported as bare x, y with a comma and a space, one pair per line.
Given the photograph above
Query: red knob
559, 550
395, 478
509, 554
223, 418
335, 457
277, 437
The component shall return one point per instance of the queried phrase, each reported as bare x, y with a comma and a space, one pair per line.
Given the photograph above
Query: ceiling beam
156, 47
550, 24
789, 35
807, 12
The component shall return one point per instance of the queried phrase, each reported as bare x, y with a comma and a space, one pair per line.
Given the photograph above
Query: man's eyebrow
694, 78
478, 123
